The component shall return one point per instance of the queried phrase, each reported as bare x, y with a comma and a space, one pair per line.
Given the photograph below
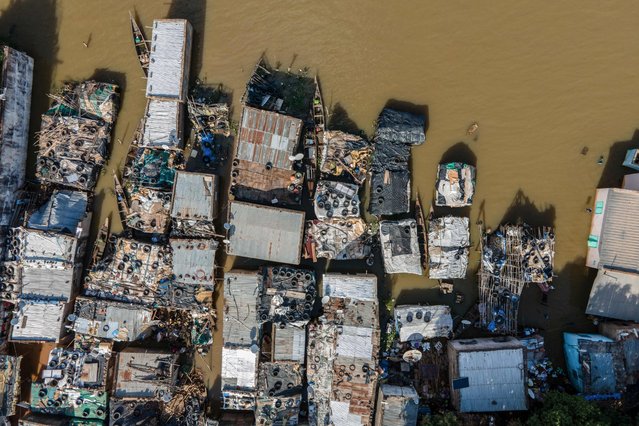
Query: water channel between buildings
541, 89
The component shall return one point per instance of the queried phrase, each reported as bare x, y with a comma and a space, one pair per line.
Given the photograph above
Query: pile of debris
336, 200
448, 243
511, 257
455, 186
279, 393
339, 239
211, 127
342, 153
288, 295
75, 134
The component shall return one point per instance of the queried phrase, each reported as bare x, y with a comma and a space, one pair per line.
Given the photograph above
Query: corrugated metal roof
61, 213
241, 292
355, 342
170, 58
38, 321
618, 244
358, 287
268, 137
496, 378
289, 344
239, 368
194, 196
615, 294
111, 320
47, 283
265, 233
439, 324
142, 373
163, 124
38, 247
17, 82
399, 405
194, 261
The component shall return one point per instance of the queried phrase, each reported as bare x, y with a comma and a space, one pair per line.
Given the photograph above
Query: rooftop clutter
75, 134
279, 393
455, 185
448, 243
345, 154
288, 295
390, 181
415, 323
512, 256
212, 130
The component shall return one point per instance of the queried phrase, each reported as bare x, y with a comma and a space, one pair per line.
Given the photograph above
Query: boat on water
314, 135
121, 198
141, 45
422, 230
473, 128
100, 242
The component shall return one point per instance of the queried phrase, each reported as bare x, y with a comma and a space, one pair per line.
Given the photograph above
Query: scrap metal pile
75, 134
342, 153
211, 127
511, 257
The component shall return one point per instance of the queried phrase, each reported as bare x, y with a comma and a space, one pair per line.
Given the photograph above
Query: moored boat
141, 45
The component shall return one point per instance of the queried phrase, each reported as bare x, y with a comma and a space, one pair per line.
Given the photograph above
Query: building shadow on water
193, 11
613, 171
31, 26
412, 108
338, 119
524, 210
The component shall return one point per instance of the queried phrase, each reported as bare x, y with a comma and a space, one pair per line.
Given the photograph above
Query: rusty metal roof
194, 196
268, 137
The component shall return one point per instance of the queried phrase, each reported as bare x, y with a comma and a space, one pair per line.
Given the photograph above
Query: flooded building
342, 352
613, 242
265, 233
486, 375
512, 256
455, 185
75, 134
595, 364
396, 132
242, 337
615, 294
110, 320
396, 406
280, 386
263, 169
343, 154
400, 247
194, 204
16, 79
448, 247
416, 323
288, 295
10, 388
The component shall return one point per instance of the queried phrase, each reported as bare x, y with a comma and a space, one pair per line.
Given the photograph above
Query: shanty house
400, 246
195, 203
415, 323
38, 321
595, 364
448, 242
615, 294
142, 373
163, 124
193, 262
396, 406
487, 375
170, 60
16, 78
239, 377
613, 242
265, 233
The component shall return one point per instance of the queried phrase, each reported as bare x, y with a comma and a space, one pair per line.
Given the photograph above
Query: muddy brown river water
543, 81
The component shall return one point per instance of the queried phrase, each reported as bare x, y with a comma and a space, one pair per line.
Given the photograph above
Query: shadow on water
564, 309
613, 172
36, 34
523, 210
339, 120
195, 12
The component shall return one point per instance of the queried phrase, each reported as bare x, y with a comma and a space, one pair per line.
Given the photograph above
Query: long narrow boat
121, 198
314, 137
421, 224
100, 242
141, 45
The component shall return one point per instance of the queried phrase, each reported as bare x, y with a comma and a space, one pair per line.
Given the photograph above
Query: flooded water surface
553, 88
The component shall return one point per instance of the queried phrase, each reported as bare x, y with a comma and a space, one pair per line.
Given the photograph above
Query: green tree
561, 409
443, 419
